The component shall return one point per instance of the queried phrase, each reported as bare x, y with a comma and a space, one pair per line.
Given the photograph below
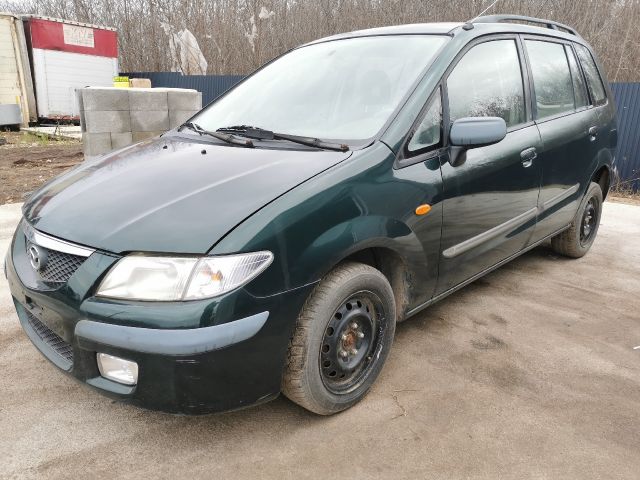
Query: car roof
450, 28
409, 29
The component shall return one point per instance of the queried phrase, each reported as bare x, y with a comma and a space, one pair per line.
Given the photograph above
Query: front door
490, 200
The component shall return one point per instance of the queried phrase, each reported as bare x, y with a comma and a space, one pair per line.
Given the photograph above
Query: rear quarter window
579, 87
594, 81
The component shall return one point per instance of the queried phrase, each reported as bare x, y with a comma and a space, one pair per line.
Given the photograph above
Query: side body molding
496, 231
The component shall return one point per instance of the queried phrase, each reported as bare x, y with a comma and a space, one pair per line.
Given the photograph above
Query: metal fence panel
627, 98
211, 86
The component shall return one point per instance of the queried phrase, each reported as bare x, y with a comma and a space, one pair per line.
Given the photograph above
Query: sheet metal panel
627, 97
9, 80
16, 87
211, 86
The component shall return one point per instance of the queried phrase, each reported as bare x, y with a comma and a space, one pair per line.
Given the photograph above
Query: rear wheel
576, 241
341, 340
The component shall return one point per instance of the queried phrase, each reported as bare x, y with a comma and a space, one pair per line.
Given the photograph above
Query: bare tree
237, 36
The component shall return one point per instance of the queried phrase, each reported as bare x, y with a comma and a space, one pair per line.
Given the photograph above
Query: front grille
52, 259
60, 266
48, 336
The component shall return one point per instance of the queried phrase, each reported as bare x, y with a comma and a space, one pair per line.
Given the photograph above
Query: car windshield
339, 90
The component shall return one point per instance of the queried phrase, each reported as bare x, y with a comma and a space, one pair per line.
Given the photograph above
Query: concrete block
178, 117
183, 99
107, 121
148, 99
96, 143
105, 99
81, 109
140, 136
140, 83
119, 140
149, 121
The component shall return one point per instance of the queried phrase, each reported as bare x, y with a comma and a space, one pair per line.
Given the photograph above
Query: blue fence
627, 97
211, 86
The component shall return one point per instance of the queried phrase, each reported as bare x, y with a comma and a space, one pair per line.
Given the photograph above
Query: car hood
170, 194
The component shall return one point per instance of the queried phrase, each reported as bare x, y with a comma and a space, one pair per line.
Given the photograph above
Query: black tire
341, 340
576, 241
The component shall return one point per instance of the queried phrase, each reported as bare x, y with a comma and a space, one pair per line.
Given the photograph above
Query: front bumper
193, 357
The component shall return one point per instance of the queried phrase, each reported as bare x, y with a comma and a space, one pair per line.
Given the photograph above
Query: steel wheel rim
351, 342
589, 221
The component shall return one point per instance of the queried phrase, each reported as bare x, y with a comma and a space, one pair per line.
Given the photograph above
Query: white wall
9, 79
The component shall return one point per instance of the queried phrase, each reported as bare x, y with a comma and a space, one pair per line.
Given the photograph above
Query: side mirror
474, 132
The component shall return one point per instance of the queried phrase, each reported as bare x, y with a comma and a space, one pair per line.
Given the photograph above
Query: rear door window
579, 88
487, 82
551, 78
598, 95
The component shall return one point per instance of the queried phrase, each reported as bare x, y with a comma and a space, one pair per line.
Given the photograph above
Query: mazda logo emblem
37, 257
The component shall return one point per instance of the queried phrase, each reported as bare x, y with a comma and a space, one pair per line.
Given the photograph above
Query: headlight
142, 277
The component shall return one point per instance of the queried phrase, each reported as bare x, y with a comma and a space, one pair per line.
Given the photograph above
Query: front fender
359, 204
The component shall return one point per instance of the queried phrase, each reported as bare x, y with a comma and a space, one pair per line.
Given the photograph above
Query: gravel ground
529, 372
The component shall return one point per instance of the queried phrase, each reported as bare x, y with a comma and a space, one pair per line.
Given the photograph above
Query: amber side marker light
423, 209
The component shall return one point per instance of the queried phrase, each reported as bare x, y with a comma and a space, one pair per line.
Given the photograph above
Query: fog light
118, 369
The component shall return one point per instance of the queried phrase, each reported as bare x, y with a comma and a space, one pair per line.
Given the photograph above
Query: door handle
593, 133
528, 156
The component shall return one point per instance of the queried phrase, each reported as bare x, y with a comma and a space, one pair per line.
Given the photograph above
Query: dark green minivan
272, 243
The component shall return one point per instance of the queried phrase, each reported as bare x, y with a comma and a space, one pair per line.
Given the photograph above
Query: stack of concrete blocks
113, 118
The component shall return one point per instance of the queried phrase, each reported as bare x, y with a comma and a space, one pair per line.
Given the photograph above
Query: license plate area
49, 342
47, 317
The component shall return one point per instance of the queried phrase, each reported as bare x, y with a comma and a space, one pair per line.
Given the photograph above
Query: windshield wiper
225, 137
262, 134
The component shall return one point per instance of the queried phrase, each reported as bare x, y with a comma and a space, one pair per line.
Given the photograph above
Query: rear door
602, 126
562, 113
490, 200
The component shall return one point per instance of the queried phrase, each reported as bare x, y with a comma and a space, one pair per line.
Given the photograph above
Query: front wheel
341, 340
576, 241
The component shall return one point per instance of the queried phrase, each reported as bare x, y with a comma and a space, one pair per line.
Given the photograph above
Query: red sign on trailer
76, 38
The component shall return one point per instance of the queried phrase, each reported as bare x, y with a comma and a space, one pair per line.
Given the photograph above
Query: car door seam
559, 198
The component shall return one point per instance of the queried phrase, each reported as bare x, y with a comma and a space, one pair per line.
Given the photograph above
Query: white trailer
66, 56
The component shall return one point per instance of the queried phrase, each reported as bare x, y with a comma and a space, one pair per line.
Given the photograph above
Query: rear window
596, 88
551, 78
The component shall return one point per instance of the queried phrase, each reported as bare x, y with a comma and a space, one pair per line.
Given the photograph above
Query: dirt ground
27, 161
530, 372
629, 198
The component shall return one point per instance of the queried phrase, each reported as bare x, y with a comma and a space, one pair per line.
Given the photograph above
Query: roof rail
522, 18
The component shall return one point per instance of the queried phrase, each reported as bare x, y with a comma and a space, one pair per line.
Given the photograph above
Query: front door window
487, 82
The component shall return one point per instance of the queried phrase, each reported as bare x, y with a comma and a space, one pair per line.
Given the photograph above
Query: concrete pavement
529, 372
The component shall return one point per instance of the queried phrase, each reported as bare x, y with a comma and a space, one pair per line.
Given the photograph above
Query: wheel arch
386, 244
394, 267
602, 176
